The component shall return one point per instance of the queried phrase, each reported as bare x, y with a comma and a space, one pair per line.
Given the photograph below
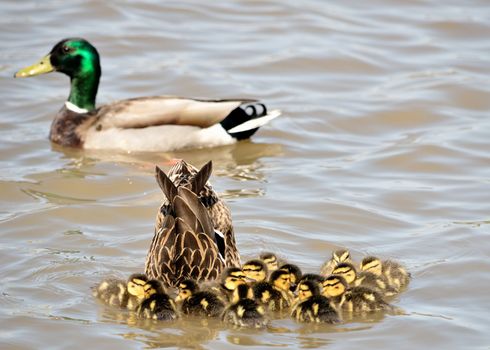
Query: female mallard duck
244, 310
354, 299
157, 305
126, 294
338, 256
311, 306
186, 246
161, 123
184, 174
196, 302
394, 273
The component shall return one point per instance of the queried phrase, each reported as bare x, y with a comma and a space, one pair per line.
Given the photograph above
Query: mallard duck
244, 310
395, 274
338, 256
160, 123
186, 175
255, 270
311, 306
186, 246
270, 260
157, 304
126, 294
352, 299
196, 302
294, 273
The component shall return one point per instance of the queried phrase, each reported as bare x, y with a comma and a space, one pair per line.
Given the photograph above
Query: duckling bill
159, 123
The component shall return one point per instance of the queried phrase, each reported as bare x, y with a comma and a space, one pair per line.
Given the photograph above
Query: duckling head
312, 277
255, 270
232, 277
281, 279
135, 285
270, 259
340, 256
153, 287
242, 291
346, 270
186, 288
294, 273
307, 289
334, 285
372, 264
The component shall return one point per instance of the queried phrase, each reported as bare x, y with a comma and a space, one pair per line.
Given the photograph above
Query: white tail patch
255, 123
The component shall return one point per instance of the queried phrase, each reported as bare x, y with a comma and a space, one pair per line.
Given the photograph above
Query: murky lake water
383, 148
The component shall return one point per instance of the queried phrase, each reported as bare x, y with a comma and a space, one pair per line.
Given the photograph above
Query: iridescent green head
78, 59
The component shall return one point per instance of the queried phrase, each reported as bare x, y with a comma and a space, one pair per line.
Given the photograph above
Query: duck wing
165, 110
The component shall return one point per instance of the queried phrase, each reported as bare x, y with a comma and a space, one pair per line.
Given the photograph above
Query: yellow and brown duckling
354, 299
198, 303
244, 311
347, 271
255, 270
126, 294
311, 306
271, 260
338, 256
230, 279
294, 274
394, 273
157, 304
276, 294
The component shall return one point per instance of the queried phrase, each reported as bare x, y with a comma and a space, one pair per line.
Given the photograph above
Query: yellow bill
42, 67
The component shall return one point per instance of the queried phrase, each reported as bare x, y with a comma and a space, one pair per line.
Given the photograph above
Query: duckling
346, 270
396, 275
256, 270
244, 310
275, 295
311, 277
196, 302
377, 283
294, 273
126, 294
338, 256
352, 300
230, 279
270, 260
144, 124
311, 306
157, 305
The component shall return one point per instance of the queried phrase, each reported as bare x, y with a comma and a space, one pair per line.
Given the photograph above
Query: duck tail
246, 119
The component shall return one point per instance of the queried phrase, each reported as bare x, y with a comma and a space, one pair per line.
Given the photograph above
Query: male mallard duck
395, 274
196, 302
338, 256
354, 299
157, 305
311, 306
184, 174
127, 294
186, 246
255, 270
244, 310
160, 123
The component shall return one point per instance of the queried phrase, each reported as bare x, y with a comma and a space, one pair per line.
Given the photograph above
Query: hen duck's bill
42, 67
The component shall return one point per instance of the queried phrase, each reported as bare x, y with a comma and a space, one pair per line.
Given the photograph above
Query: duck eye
65, 49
